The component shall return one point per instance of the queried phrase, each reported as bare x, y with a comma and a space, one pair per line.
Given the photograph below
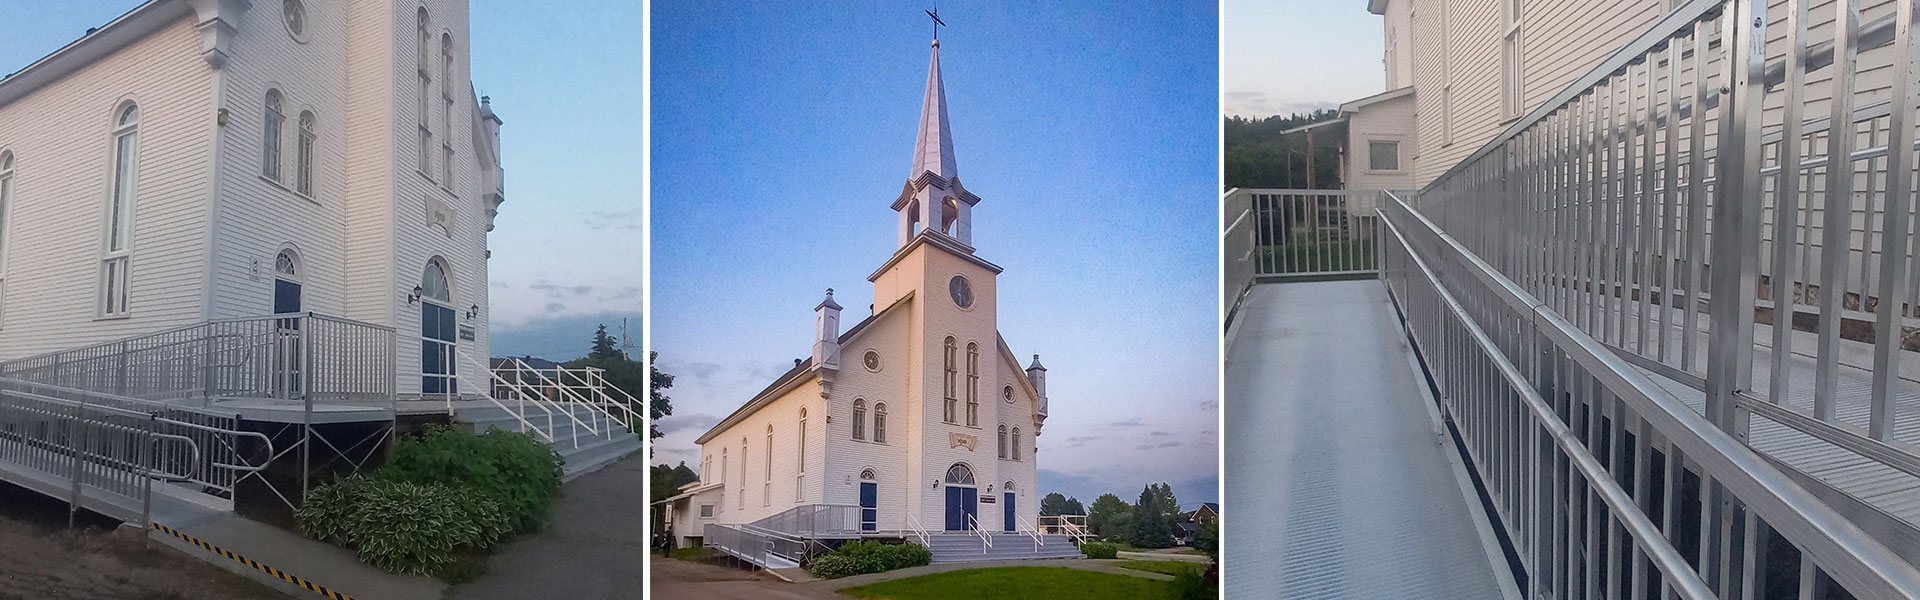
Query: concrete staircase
967, 547
583, 449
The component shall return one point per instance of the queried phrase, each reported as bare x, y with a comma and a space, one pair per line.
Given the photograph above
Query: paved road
1342, 484
592, 549
679, 579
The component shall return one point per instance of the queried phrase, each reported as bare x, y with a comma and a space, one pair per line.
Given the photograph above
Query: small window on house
880, 422
706, 511
303, 155
1383, 155
859, 419
270, 139
1013, 444
867, 474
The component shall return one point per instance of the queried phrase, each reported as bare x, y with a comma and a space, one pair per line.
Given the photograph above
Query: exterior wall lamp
414, 298
473, 311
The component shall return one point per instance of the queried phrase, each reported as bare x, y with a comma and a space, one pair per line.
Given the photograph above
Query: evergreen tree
1155, 516
1054, 504
658, 405
1111, 518
1073, 507
604, 346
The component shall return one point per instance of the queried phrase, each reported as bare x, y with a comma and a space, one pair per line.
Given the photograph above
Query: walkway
1109, 567
591, 549
1343, 486
678, 579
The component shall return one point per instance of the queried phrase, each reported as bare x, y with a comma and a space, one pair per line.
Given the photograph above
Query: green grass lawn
696, 553
1016, 583
1169, 567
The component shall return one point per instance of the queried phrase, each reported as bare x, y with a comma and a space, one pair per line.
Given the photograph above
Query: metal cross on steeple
935, 15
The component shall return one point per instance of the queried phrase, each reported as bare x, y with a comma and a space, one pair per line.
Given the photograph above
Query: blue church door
1007, 507
869, 506
962, 502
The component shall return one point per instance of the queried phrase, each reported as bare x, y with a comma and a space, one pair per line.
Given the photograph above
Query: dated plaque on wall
956, 440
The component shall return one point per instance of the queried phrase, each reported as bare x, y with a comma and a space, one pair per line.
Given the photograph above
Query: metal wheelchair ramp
1345, 485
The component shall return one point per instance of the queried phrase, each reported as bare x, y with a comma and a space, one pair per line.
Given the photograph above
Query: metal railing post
1736, 217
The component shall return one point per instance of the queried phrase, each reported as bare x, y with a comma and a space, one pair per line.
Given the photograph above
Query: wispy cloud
687, 423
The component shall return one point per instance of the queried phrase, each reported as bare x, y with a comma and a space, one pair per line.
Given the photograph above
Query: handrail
523, 367
520, 396
913, 526
1860, 562
1032, 531
1645, 534
986, 541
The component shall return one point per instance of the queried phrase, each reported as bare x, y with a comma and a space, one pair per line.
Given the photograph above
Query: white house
199, 160
920, 415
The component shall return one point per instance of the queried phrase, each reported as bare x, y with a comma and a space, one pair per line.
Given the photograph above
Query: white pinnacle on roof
933, 150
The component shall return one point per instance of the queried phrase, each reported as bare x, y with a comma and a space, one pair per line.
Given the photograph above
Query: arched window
973, 384
433, 282
1013, 444
867, 474
446, 110
723, 467
270, 139
6, 209
422, 82
959, 474
741, 498
1003, 441
114, 271
1008, 486
802, 459
303, 155
880, 422
952, 397
286, 266
766, 484
859, 419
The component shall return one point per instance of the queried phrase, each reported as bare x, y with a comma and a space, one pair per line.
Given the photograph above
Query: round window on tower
1006, 393
294, 14
872, 360
961, 290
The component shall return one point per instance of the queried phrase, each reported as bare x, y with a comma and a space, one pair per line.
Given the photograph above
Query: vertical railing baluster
1836, 223
1888, 338
1696, 197
1786, 211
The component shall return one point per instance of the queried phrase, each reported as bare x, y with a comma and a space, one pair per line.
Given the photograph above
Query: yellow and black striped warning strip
279, 574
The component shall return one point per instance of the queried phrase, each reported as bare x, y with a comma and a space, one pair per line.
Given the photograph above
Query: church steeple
933, 200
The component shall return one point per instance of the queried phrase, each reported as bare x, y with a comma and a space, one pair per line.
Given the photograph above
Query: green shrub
401, 526
521, 475
1099, 550
1189, 584
859, 558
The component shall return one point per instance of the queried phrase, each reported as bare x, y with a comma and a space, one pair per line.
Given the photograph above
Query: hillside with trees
1259, 156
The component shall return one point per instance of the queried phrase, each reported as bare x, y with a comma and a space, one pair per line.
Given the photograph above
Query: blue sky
1089, 131
566, 247
1297, 55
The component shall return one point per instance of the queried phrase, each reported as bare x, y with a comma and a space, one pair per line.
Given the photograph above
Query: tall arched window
1013, 444
766, 485
859, 419
973, 384
1003, 441
446, 110
422, 82
303, 155
6, 210
270, 139
723, 467
114, 271
742, 496
800, 460
952, 395
880, 422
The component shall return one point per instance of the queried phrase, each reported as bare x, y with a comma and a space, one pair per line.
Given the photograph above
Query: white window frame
706, 511
800, 480
860, 419
122, 195
973, 384
303, 154
422, 82
275, 115
1512, 61
880, 423
446, 110
766, 486
1399, 155
6, 212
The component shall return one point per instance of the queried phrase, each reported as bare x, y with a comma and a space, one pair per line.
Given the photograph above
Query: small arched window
951, 415
433, 282
741, 499
270, 140
802, 458
286, 266
1003, 441
959, 474
859, 419
303, 155
1008, 486
973, 384
880, 422
1013, 444
766, 483
867, 474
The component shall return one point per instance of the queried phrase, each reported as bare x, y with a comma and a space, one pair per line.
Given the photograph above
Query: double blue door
962, 502
869, 506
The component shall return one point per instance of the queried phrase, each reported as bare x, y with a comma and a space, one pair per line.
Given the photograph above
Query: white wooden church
916, 423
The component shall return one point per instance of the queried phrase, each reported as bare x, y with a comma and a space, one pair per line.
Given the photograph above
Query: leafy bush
858, 558
401, 526
1099, 550
520, 475
1189, 584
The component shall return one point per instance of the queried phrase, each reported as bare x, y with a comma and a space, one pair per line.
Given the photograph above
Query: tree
658, 405
1110, 518
604, 346
1074, 507
1155, 517
1258, 155
1208, 539
1054, 504
683, 475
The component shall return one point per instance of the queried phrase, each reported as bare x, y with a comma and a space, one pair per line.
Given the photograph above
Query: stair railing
986, 541
519, 409
521, 370
913, 526
1031, 531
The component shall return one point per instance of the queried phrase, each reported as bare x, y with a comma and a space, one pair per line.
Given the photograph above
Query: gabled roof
803, 368
99, 42
688, 493
1353, 106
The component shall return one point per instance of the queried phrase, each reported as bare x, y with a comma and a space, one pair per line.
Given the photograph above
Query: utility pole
626, 340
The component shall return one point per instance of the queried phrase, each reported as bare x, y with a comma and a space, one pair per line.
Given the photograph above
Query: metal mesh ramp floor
1342, 486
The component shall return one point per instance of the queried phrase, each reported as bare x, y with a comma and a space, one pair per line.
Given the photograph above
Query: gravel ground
40, 559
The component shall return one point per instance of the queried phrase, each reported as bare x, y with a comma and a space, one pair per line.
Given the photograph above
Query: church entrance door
963, 507
1007, 509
